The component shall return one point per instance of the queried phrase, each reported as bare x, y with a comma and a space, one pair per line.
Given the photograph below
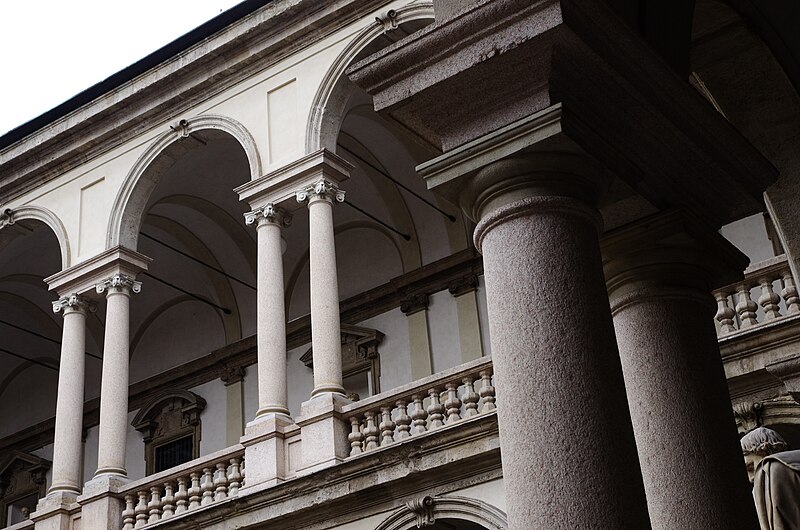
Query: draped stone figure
757, 445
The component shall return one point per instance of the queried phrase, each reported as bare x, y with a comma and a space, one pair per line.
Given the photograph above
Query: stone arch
38, 213
450, 507
129, 204
330, 101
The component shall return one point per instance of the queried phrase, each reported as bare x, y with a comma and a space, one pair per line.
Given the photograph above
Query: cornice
163, 93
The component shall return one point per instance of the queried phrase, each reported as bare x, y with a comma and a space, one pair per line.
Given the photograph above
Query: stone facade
399, 264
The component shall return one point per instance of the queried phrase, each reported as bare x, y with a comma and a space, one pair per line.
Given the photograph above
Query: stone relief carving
422, 507
748, 415
322, 188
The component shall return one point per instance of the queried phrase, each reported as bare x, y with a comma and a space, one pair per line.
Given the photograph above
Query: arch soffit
327, 108
47, 217
132, 197
463, 508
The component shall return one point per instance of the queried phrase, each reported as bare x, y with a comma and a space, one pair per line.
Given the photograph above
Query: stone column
271, 313
114, 387
568, 451
692, 466
325, 328
67, 446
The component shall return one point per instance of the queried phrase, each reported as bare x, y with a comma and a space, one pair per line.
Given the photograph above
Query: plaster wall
395, 358
750, 236
443, 326
213, 418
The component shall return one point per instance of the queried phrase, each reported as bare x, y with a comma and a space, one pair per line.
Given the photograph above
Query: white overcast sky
52, 49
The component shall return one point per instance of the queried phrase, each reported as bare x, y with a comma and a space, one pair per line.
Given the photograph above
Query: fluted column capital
323, 189
269, 214
73, 303
118, 284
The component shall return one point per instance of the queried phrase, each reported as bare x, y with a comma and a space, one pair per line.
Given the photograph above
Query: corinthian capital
269, 214
322, 189
118, 283
73, 303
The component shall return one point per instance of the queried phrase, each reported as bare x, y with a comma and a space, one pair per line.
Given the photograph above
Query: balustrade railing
767, 293
183, 489
420, 407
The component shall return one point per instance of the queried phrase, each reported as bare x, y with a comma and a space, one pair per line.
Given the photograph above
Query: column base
265, 450
323, 432
328, 389
55, 511
100, 505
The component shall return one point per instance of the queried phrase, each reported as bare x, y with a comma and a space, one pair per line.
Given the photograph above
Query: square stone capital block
83, 277
491, 64
279, 187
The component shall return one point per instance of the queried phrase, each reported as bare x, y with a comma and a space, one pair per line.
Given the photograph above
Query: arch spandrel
131, 200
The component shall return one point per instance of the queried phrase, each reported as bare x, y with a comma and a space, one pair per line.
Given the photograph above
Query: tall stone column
660, 274
114, 386
67, 446
568, 451
271, 314
325, 327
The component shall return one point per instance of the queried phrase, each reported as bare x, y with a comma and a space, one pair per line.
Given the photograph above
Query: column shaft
67, 447
272, 390
692, 465
325, 326
568, 452
114, 387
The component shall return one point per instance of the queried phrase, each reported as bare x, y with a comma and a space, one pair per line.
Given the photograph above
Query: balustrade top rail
736, 309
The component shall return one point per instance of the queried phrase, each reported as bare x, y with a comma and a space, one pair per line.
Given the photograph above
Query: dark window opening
174, 453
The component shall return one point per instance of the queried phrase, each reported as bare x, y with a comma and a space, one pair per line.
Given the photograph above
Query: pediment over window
22, 483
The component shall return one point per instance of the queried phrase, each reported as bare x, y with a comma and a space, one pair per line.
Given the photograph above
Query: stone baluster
435, 410
154, 506
181, 497
325, 325
141, 510
403, 420
207, 487
194, 491
220, 483
356, 437
387, 426
371, 431
234, 478
270, 312
746, 307
768, 299
725, 313
453, 404
168, 501
113, 428
470, 398
487, 392
789, 293
129, 514
419, 415
68, 447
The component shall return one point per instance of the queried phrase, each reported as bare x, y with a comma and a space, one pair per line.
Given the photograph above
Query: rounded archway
446, 512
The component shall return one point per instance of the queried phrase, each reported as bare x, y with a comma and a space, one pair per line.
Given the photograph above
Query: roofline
141, 66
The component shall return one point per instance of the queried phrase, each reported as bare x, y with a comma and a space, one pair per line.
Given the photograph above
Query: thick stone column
569, 457
271, 313
114, 387
67, 446
659, 279
325, 328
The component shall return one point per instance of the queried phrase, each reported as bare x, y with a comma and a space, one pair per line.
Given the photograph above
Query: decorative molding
388, 20
323, 189
233, 374
423, 511
269, 214
414, 304
422, 507
72, 303
119, 283
463, 285
748, 415
11, 216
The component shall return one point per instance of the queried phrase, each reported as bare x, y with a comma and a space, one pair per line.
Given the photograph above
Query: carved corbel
388, 20
232, 374
414, 304
6, 217
422, 507
463, 285
748, 415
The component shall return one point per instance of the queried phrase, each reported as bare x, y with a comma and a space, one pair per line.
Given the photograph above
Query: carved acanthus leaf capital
118, 283
269, 214
422, 507
322, 189
72, 303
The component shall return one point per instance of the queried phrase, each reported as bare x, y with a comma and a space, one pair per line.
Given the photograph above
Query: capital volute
321, 190
73, 303
269, 214
119, 283
6, 217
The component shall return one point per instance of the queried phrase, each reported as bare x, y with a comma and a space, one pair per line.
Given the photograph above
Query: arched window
446, 512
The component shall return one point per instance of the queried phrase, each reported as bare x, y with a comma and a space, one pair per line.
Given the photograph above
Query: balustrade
452, 396
174, 492
768, 293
